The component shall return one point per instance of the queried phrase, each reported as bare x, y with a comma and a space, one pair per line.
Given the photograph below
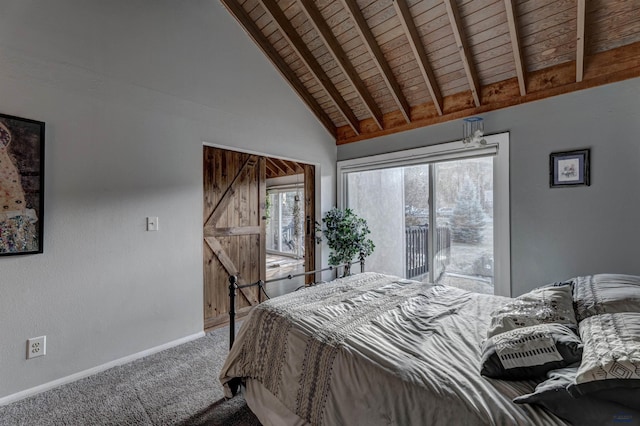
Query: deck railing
417, 249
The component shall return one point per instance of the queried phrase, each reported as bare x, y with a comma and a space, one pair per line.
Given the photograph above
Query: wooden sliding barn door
234, 231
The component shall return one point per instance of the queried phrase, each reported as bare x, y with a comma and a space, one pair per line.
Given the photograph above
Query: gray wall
129, 92
558, 233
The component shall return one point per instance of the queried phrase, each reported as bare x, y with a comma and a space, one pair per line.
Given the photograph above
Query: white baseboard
91, 371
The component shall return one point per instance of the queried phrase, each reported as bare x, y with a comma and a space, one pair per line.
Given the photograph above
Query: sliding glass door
431, 220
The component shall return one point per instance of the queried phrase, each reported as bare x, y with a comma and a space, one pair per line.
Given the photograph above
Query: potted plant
346, 236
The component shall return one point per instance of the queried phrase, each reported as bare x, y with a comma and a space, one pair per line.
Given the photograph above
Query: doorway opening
285, 225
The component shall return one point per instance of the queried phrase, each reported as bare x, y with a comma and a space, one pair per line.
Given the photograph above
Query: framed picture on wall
569, 168
21, 185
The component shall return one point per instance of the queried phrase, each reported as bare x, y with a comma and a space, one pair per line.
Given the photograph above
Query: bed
376, 349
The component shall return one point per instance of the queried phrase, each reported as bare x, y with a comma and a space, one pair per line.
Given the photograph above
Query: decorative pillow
611, 357
606, 294
544, 305
600, 408
529, 352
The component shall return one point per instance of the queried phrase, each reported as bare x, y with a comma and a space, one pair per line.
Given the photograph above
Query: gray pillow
601, 408
606, 294
611, 357
529, 352
544, 305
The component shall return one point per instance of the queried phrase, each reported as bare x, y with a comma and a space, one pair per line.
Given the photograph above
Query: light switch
152, 223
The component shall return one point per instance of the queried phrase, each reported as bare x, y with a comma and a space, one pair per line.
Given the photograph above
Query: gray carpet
178, 386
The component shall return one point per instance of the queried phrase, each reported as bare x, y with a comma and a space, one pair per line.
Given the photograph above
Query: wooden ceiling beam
298, 45
374, 50
409, 26
272, 170
515, 45
463, 46
332, 44
606, 67
254, 32
284, 165
292, 167
279, 170
278, 167
299, 169
580, 40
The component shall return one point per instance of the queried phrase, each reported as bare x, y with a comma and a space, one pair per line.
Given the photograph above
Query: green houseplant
346, 235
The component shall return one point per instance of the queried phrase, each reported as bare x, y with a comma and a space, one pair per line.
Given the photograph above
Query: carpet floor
178, 386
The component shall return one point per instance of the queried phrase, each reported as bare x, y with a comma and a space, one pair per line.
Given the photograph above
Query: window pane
464, 209
286, 231
378, 197
285, 221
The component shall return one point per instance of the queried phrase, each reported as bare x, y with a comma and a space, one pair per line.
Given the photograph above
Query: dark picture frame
21, 185
569, 168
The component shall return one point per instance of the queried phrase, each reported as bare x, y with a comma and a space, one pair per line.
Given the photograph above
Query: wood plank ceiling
367, 68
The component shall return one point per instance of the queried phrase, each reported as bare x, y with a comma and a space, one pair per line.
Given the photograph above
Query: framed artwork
570, 168
21, 185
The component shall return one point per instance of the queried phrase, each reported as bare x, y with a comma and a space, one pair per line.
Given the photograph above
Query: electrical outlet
36, 346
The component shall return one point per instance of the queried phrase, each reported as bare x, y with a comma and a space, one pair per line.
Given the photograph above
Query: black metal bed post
233, 285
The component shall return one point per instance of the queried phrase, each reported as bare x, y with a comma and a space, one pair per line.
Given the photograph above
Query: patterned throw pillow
611, 356
544, 305
606, 294
530, 352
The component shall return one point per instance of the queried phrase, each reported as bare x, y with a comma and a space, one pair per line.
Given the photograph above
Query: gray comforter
374, 349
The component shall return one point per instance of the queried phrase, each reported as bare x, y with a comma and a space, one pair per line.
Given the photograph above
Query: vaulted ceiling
372, 67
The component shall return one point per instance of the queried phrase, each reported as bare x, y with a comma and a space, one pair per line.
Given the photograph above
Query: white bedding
374, 349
